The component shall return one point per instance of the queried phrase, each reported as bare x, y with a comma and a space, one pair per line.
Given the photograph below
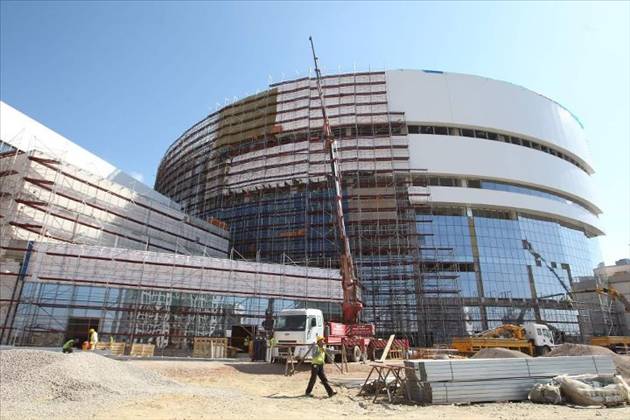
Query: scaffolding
79, 250
45, 198
254, 183
144, 296
260, 165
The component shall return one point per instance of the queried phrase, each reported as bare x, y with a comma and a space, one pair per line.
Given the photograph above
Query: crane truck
300, 327
530, 338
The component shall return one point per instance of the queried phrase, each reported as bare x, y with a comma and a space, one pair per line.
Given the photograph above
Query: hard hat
92, 330
320, 338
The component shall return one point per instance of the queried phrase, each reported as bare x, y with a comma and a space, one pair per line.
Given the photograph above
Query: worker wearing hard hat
317, 369
92, 338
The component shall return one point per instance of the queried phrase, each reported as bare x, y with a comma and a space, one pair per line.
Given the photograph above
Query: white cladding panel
466, 100
516, 201
24, 133
478, 158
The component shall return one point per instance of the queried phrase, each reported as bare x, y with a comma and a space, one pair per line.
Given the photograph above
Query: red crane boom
351, 306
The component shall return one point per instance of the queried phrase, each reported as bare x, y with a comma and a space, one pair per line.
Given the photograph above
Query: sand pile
621, 362
32, 380
498, 353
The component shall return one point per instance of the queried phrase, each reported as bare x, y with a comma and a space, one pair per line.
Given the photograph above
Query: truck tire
355, 354
542, 351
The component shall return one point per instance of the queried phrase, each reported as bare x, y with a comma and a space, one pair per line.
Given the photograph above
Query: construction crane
611, 293
352, 306
528, 246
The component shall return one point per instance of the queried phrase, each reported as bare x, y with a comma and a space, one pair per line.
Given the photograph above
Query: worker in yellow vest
92, 338
317, 369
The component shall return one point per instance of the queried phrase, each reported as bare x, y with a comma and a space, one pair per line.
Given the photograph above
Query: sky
125, 79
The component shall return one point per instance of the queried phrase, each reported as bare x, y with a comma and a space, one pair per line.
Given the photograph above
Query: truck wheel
542, 351
355, 354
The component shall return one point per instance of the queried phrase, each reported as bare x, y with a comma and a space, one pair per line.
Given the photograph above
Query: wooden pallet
117, 349
102, 345
210, 347
142, 350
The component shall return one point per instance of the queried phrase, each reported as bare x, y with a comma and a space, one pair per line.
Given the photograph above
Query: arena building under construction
468, 203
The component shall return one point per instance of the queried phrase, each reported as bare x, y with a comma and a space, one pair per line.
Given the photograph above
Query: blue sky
125, 79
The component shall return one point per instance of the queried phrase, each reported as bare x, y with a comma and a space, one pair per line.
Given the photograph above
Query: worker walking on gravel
317, 369
68, 346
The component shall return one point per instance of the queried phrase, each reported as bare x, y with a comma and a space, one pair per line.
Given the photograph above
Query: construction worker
246, 344
92, 338
68, 346
317, 369
273, 341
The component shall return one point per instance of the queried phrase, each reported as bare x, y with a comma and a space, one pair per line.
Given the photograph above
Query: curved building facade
469, 201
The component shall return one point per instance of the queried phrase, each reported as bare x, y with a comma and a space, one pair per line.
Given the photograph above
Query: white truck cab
299, 327
540, 336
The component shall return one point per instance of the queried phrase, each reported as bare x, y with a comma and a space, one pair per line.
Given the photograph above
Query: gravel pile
39, 384
499, 353
621, 362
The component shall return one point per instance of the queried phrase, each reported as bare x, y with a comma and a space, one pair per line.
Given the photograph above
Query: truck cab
299, 327
540, 336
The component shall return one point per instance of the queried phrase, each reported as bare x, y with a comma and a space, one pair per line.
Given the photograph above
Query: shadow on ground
265, 368
291, 397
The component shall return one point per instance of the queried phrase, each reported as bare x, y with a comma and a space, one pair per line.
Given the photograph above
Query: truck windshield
291, 323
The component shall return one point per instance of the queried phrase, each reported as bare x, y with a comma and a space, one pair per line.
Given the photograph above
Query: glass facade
488, 247
50, 313
502, 186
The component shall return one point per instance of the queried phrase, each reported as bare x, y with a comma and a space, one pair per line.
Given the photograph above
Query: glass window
414, 129
467, 132
441, 130
291, 323
481, 134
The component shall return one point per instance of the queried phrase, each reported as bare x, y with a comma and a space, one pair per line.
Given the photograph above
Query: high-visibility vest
320, 356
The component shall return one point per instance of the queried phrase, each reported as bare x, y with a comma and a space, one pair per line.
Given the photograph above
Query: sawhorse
383, 372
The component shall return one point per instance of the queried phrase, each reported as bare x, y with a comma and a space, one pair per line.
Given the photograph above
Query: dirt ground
244, 390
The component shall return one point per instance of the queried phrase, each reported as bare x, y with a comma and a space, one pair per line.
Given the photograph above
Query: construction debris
608, 390
546, 394
485, 380
586, 390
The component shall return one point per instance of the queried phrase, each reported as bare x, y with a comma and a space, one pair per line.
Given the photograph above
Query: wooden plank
142, 350
102, 345
211, 347
387, 347
117, 349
